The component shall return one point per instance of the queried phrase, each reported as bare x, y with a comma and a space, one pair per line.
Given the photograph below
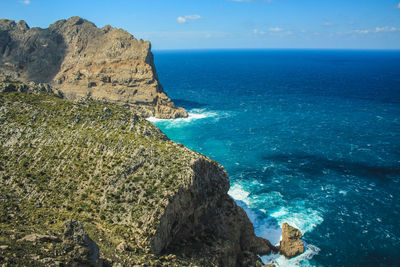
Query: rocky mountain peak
23, 25
83, 61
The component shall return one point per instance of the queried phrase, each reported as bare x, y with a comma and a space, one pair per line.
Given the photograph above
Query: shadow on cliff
264, 225
31, 54
317, 165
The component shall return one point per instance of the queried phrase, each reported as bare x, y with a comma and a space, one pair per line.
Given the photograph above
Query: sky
232, 24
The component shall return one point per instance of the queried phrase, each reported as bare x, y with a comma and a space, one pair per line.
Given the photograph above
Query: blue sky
193, 24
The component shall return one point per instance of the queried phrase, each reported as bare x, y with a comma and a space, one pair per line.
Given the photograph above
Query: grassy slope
91, 161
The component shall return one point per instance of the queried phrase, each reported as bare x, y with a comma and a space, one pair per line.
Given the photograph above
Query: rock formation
84, 61
141, 197
81, 248
291, 244
9, 85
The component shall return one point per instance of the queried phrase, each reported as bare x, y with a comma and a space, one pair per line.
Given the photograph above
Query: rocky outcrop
204, 222
291, 244
84, 61
39, 238
73, 248
9, 85
141, 197
80, 247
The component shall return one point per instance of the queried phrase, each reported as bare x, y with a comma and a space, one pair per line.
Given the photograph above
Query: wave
302, 260
267, 224
194, 115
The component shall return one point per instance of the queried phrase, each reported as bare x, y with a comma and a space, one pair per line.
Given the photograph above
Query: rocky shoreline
91, 182
179, 214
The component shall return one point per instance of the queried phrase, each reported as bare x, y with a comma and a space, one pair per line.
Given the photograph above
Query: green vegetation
91, 161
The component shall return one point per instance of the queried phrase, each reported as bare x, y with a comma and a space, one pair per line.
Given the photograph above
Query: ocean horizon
161, 50
309, 137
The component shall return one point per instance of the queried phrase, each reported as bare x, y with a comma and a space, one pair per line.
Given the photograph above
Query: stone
291, 244
8, 84
79, 245
122, 247
40, 238
77, 58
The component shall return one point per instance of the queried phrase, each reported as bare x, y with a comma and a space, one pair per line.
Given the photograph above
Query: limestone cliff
135, 196
84, 61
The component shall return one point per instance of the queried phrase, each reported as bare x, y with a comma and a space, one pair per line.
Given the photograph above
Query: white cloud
386, 29
362, 31
328, 24
187, 18
26, 2
181, 20
193, 17
377, 30
398, 6
275, 29
258, 32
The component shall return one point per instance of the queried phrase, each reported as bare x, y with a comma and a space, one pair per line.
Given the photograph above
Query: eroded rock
78, 244
79, 59
291, 244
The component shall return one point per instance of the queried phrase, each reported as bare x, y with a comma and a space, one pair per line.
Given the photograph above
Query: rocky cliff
134, 196
84, 61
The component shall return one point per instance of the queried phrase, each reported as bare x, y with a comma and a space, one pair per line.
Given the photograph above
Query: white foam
267, 223
193, 115
301, 260
302, 218
238, 193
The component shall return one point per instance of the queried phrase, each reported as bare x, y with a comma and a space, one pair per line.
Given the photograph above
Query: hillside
140, 197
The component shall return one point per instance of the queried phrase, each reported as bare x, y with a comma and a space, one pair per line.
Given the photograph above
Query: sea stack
291, 244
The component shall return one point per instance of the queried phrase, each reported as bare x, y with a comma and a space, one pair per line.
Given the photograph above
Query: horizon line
308, 49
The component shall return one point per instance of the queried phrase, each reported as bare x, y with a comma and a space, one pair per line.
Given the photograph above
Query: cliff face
84, 61
141, 197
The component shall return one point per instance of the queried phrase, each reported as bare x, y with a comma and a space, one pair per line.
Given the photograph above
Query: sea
308, 137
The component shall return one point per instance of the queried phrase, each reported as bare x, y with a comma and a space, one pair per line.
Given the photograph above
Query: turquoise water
308, 137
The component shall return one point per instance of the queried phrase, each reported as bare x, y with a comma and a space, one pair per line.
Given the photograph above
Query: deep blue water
308, 137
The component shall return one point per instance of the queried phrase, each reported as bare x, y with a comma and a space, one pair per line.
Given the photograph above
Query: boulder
40, 238
291, 244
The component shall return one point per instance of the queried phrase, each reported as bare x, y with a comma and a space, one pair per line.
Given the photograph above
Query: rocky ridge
84, 61
135, 197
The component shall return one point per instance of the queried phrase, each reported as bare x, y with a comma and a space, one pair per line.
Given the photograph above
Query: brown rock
80, 59
39, 238
204, 222
291, 244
